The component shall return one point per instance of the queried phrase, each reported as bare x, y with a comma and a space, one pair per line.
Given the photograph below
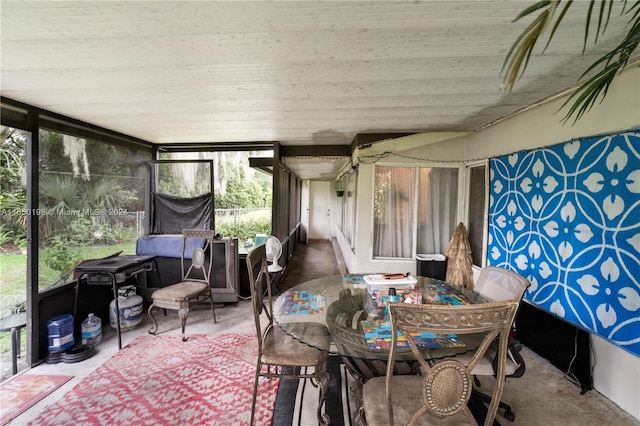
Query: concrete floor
541, 397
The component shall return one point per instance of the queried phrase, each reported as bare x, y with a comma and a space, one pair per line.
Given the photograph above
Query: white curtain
393, 211
395, 202
437, 208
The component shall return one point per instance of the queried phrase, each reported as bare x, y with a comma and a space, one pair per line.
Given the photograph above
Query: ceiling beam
315, 151
262, 163
365, 139
216, 146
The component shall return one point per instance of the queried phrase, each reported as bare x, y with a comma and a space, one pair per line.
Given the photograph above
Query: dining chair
495, 284
444, 387
196, 263
280, 355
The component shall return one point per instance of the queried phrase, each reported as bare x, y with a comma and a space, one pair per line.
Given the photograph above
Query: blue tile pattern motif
568, 218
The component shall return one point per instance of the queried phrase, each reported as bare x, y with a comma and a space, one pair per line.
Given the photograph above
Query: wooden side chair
196, 263
445, 386
280, 355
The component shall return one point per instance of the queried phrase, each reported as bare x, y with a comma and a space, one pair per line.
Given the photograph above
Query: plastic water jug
91, 329
60, 331
130, 307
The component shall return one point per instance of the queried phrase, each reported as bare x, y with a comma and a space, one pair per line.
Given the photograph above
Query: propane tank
130, 307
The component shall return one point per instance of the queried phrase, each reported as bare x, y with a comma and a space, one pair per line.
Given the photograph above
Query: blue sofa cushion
166, 245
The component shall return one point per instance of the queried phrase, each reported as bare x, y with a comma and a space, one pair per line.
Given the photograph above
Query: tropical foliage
245, 227
89, 191
550, 15
61, 257
82, 210
242, 192
13, 193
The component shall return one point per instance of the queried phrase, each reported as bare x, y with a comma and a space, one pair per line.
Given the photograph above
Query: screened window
184, 178
242, 194
91, 203
13, 220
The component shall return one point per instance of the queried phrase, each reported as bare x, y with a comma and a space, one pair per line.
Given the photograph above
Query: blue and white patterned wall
568, 218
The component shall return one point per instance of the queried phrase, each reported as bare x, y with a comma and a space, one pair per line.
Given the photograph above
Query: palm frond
615, 61
585, 96
557, 24
636, 14
518, 59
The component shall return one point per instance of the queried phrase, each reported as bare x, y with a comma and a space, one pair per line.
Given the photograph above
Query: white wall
616, 375
616, 372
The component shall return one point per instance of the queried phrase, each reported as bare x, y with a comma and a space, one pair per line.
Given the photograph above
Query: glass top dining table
342, 303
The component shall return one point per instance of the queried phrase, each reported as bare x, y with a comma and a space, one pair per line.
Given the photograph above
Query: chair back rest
496, 284
259, 281
448, 383
198, 245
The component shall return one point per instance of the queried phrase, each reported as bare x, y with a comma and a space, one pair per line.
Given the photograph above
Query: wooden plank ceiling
299, 73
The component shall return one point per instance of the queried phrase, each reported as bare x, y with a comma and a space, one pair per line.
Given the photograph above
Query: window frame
460, 212
347, 207
485, 213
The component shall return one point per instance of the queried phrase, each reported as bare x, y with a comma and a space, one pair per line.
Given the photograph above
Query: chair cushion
282, 349
406, 394
179, 291
167, 245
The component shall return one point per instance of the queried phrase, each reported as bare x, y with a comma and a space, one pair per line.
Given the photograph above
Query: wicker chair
195, 284
444, 388
280, 355
495, 284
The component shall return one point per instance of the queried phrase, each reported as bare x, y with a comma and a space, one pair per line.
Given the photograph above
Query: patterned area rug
160, 380
22, 392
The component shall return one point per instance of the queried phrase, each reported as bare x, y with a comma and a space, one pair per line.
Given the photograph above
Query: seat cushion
406, 394
167, 245
282, 349
179, 291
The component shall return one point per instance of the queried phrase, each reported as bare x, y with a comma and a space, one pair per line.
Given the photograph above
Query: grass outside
13, 280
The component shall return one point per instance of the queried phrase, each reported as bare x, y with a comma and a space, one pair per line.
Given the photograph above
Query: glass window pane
394, 191
437, 208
